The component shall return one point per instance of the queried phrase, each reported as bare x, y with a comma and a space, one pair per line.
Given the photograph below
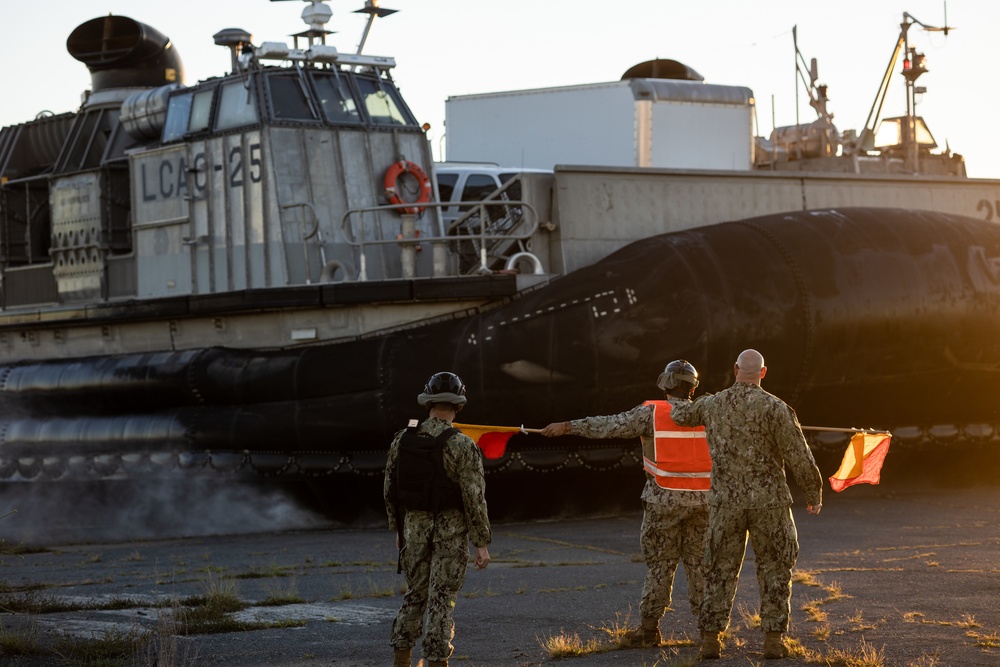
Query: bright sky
454, 47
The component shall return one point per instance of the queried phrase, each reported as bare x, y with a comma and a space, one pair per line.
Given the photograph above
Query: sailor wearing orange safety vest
675, 508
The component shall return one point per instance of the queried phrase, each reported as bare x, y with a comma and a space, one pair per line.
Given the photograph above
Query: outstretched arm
631, 424
556, 429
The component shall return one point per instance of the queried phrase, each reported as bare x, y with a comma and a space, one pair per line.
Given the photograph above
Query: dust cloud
44, 513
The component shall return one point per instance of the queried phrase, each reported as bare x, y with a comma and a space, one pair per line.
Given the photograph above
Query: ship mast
914, 65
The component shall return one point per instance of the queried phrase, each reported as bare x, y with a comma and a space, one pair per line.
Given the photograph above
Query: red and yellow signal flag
492, 440
862, 462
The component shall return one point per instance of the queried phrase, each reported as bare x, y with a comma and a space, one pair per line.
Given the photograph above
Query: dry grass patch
34, 602
22, 549
22, 641
565, 645
814, 613
611, 637
968, 621
833, 592
861, 569
913, 557
750, 617
858, 624
489, 593
812, 608
112, 647
925, 661
278, 596
865, 655
269, 572
211, 613
985, 641
678, 642
796, 649
805, 577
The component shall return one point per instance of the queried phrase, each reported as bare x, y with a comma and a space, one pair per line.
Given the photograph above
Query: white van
471, 182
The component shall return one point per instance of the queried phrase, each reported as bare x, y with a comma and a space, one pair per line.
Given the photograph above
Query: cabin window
894, 132
478, 187
188, 112
289, 101
237, 106
201, 110
178, 112
383, 104
335, 99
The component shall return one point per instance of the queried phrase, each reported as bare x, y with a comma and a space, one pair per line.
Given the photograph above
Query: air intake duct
122, 53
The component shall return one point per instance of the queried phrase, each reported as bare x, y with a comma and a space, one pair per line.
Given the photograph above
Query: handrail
408, 239
307, 206
494, 197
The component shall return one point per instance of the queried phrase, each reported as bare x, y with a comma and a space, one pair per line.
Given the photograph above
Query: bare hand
814, 509
556, 429
482, 557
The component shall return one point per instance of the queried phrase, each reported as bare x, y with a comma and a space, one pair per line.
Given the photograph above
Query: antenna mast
914, 65
374, 11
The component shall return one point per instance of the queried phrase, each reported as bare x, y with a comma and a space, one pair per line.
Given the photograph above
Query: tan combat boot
401, 657
711, 646
437, 663
774, 647
646, 635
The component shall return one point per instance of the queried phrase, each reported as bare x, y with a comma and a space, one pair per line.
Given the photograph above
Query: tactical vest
680, 459
421, 481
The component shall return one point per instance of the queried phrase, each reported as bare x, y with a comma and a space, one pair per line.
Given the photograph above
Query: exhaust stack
122, 53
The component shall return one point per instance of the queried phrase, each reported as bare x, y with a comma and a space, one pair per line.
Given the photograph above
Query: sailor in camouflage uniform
434, 545
674, 499
752, 436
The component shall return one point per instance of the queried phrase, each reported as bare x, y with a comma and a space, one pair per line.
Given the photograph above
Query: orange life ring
392, 175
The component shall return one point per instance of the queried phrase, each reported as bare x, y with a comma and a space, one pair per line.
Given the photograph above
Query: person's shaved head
750, 366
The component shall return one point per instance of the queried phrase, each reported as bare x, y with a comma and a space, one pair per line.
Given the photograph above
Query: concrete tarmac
907, 576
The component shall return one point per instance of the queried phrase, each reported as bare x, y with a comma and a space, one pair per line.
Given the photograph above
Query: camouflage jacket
752, 435
636, 423
463, 463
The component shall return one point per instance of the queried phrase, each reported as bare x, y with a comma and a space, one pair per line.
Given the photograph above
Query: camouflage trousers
776, 548
671, 535
434, 562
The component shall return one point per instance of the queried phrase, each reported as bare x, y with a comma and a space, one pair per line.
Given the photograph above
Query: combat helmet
679, 378
443, 387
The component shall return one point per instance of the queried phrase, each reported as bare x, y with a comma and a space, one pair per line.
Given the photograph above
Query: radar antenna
316, 16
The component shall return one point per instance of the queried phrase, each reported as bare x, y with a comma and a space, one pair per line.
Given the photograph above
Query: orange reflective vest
680, 453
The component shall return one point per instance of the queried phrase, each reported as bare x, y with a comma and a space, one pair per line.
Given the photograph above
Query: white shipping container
661, 123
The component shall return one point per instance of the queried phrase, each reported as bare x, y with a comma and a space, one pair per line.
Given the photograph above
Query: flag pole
869, 431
